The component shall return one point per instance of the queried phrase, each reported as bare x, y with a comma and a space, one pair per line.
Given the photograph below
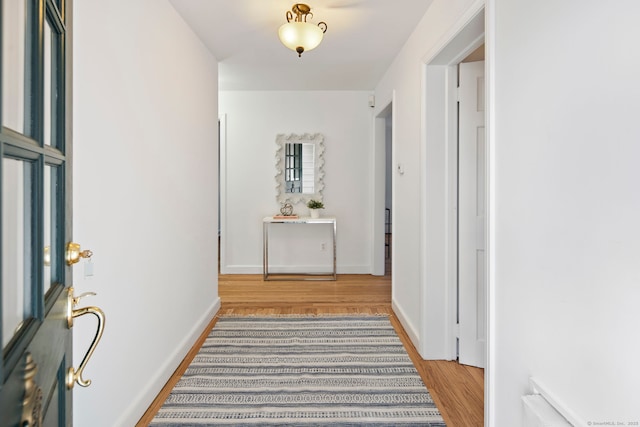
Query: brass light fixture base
301, 9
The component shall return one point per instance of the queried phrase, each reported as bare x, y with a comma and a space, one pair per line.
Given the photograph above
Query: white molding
394, 157
222, 135
406, 324
354, 269
451, 202
466, 34
490, 117
440, 47
555, 402
151, 388
244, 269
257, 269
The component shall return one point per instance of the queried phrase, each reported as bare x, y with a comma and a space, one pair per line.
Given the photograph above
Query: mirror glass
299, 167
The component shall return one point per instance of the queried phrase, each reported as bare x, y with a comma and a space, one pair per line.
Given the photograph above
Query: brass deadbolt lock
74, 253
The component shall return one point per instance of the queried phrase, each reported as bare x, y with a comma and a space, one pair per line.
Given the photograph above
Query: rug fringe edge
306, 315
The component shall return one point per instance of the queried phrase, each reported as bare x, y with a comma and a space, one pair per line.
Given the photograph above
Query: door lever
74, 375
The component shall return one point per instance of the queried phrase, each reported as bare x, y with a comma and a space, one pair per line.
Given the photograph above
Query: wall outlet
323, 246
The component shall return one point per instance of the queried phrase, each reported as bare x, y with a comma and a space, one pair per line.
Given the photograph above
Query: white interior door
471, 216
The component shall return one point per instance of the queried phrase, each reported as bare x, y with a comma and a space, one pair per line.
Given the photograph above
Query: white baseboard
252, 269
354, 269
406, 324
136, 410
240, 269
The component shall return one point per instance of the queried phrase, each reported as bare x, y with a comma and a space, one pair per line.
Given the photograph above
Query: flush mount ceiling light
300, 35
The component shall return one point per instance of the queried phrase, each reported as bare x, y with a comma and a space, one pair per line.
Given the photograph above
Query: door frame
439, 123
438, 218
222, 192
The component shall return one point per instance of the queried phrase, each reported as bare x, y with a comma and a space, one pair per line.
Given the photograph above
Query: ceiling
362, 39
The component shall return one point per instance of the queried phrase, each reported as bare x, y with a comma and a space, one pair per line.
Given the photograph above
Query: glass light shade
295, 34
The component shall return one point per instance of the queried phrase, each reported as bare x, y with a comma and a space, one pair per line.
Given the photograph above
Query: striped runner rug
301, 371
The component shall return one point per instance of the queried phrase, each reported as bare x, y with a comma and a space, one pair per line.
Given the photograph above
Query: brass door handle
74, 375
73, 253
72, 302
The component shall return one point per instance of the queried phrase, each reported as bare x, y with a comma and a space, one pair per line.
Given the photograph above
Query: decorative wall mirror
299, 167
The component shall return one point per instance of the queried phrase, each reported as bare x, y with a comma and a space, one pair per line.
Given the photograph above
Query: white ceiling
362, 39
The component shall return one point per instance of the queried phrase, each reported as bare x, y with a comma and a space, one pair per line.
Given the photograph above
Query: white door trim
447, 52
222, 132
437, 218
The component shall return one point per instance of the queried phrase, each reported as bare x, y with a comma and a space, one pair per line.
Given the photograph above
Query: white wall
565, 241
145, 185
253, 119
566, 286
411, 285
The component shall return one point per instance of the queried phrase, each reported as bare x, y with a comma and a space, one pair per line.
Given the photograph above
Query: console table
267, 221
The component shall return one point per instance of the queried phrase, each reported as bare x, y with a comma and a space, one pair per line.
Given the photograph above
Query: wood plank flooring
458, 390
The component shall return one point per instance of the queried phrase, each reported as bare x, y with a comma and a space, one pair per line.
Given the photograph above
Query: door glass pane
52, 88
47, 228
47, 84
13, 64
52, 215
16, 242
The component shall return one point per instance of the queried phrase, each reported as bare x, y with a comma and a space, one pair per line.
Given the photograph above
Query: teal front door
35, 226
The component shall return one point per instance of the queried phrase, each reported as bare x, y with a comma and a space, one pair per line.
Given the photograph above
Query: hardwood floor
457, 390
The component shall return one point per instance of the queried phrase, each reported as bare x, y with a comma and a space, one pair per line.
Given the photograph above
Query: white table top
302, 220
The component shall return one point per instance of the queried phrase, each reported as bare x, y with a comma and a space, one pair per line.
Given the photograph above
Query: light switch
88, 268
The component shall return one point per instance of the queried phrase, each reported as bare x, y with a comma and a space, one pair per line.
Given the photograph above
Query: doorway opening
382, 255
222, 193
388, 188
440, 189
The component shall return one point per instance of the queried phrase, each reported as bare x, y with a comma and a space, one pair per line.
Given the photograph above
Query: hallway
458, 390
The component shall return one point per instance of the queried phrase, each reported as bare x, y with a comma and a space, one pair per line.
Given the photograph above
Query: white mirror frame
318, 162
